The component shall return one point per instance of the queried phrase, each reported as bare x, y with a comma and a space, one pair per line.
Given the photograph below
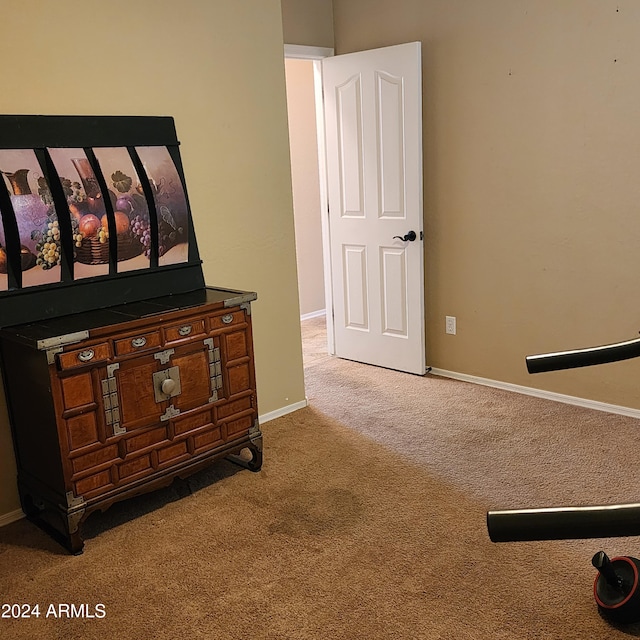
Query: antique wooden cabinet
118, 383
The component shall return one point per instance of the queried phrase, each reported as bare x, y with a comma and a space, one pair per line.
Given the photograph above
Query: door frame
316, 55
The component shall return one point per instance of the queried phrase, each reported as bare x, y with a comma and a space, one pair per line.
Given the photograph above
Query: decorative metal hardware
171, 412
73, 501
57, 341
85, 356
227, 318
77, 504
74, 520
111, 369
138, 342
51, 354
247, 307
110, 400
166, 384
164, 356
215, 369
185, 329
255, 435
240, 300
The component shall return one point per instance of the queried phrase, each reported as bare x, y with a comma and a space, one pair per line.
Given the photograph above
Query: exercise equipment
616, 587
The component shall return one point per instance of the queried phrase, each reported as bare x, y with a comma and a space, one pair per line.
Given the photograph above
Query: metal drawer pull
227, 319
85, 356
166, 383
185, 330
168, 386
138, 342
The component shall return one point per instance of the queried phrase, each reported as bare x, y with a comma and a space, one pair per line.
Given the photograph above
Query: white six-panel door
373, 117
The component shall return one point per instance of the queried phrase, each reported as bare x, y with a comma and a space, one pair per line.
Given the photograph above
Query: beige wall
217, 67
303, 143
532, 189
308, 22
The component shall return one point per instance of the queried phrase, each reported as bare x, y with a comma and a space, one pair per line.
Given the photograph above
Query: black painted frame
31, 304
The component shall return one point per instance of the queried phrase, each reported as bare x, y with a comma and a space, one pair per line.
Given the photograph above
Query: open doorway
305, 178
306, 138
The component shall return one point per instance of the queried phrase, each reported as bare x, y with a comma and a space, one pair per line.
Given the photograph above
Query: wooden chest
107, 404
122, 370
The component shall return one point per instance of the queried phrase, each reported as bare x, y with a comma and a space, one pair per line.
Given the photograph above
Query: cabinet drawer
173, 453
225, 320
207, 440
96, 458
186, 329
237, 406
136, 343
87, 355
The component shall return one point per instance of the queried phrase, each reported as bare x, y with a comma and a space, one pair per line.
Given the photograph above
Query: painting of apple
89, 225
122, 222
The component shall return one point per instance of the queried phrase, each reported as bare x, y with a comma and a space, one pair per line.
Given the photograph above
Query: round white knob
168, 386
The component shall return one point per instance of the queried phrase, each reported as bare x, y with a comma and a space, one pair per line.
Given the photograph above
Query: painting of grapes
36, 217
170, 203
129, 205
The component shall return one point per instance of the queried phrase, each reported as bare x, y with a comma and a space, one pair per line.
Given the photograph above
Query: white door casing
373, 115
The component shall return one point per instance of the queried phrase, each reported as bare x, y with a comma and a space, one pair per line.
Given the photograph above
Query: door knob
410, 237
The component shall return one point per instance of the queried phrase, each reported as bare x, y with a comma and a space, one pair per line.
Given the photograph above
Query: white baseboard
283, 411
12, 516
313, 314
539, 393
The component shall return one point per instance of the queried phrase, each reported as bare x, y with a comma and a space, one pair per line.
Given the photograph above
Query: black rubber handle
564, 523
583, 357
602, 563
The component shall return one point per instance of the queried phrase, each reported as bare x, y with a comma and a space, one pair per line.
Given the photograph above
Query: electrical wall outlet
450, 325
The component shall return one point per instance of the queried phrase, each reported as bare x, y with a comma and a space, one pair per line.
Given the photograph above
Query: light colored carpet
366, 521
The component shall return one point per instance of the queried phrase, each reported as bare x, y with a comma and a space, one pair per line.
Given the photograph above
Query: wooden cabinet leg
62, 526
75, 542
253, 463
254, 447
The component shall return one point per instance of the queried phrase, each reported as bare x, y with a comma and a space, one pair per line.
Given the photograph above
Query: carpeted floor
366, 521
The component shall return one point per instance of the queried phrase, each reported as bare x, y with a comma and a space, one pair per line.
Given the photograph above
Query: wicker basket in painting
92, 251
